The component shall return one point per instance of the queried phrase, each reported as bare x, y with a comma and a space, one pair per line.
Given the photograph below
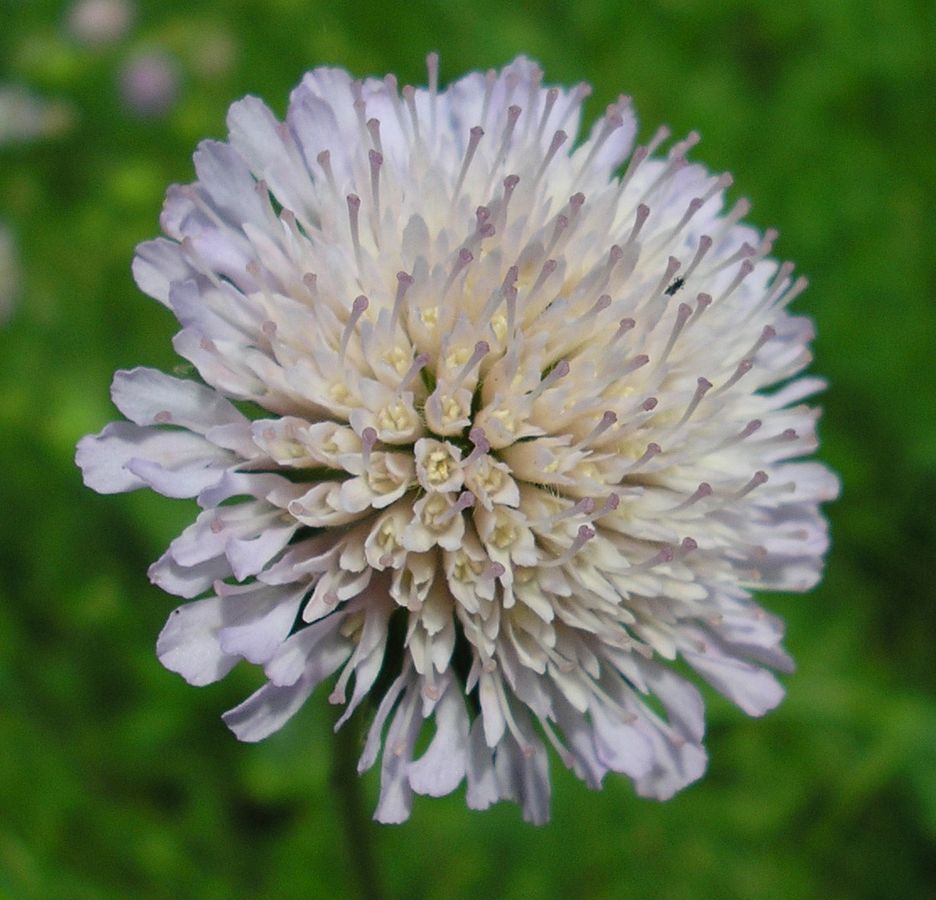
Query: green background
116, 778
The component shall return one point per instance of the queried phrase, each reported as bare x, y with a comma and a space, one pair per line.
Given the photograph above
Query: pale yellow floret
438, 465
398, 358
395, 417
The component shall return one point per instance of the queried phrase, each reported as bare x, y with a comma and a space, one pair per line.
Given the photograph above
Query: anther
419, 363
465, 500
465, 256
354, 208
703, 385
373, 128
607, 420
376, 161
740, 371
492, 571
653, 449
757, 479
683, 312
368, 439
474, 138
324, 160
481, 349
481, 445
584, 534
624, 326
432, 66
409, 98
551, 96
768, 334
357, 310
701, 492
404, 281
560, 370
559, 138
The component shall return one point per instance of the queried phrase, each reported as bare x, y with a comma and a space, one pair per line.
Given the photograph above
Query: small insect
675, 286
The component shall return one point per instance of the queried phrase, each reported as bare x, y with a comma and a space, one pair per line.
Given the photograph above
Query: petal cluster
488, 424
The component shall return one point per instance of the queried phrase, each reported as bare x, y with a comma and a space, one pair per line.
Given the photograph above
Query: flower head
480, 416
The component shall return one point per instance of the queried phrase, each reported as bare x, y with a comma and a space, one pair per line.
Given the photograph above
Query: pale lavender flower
149, 84
476, 415
99, 23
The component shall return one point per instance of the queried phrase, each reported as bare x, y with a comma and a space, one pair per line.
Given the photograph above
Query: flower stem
358, 828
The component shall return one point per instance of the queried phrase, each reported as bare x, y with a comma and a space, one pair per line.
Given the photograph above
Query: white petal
396, 795
188, 644
754, 689
157, 265
442, 767
103, 457
482, 777
149, 397
268, 709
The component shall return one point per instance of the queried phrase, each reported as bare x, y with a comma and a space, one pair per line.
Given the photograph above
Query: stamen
624, 326
513, 113
768, 334
474, 138
607, 420
510, 184
368, 439
373, 128
354, 208
465, 256
701, 492
705, 244
703, 385
742, 435
560, 370
465, 500
357, 310
637, 157
481, 445
482, 348
559, 138
551, 96
324, 160
683, 312
611, 122
640, 216
584, 507
582, 90
759, 478
404, 281
584, 534
492, 571
612, 502
409, 98
419, 363
653, 449
432, 65
742, 369
376, 161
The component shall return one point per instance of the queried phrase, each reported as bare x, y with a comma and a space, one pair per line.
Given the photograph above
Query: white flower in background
24, 117
98, 23
149, 84
479, 423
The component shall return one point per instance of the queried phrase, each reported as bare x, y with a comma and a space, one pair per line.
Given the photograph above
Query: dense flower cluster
481, 426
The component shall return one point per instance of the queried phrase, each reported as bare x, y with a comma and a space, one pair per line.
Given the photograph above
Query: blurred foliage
116, 778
